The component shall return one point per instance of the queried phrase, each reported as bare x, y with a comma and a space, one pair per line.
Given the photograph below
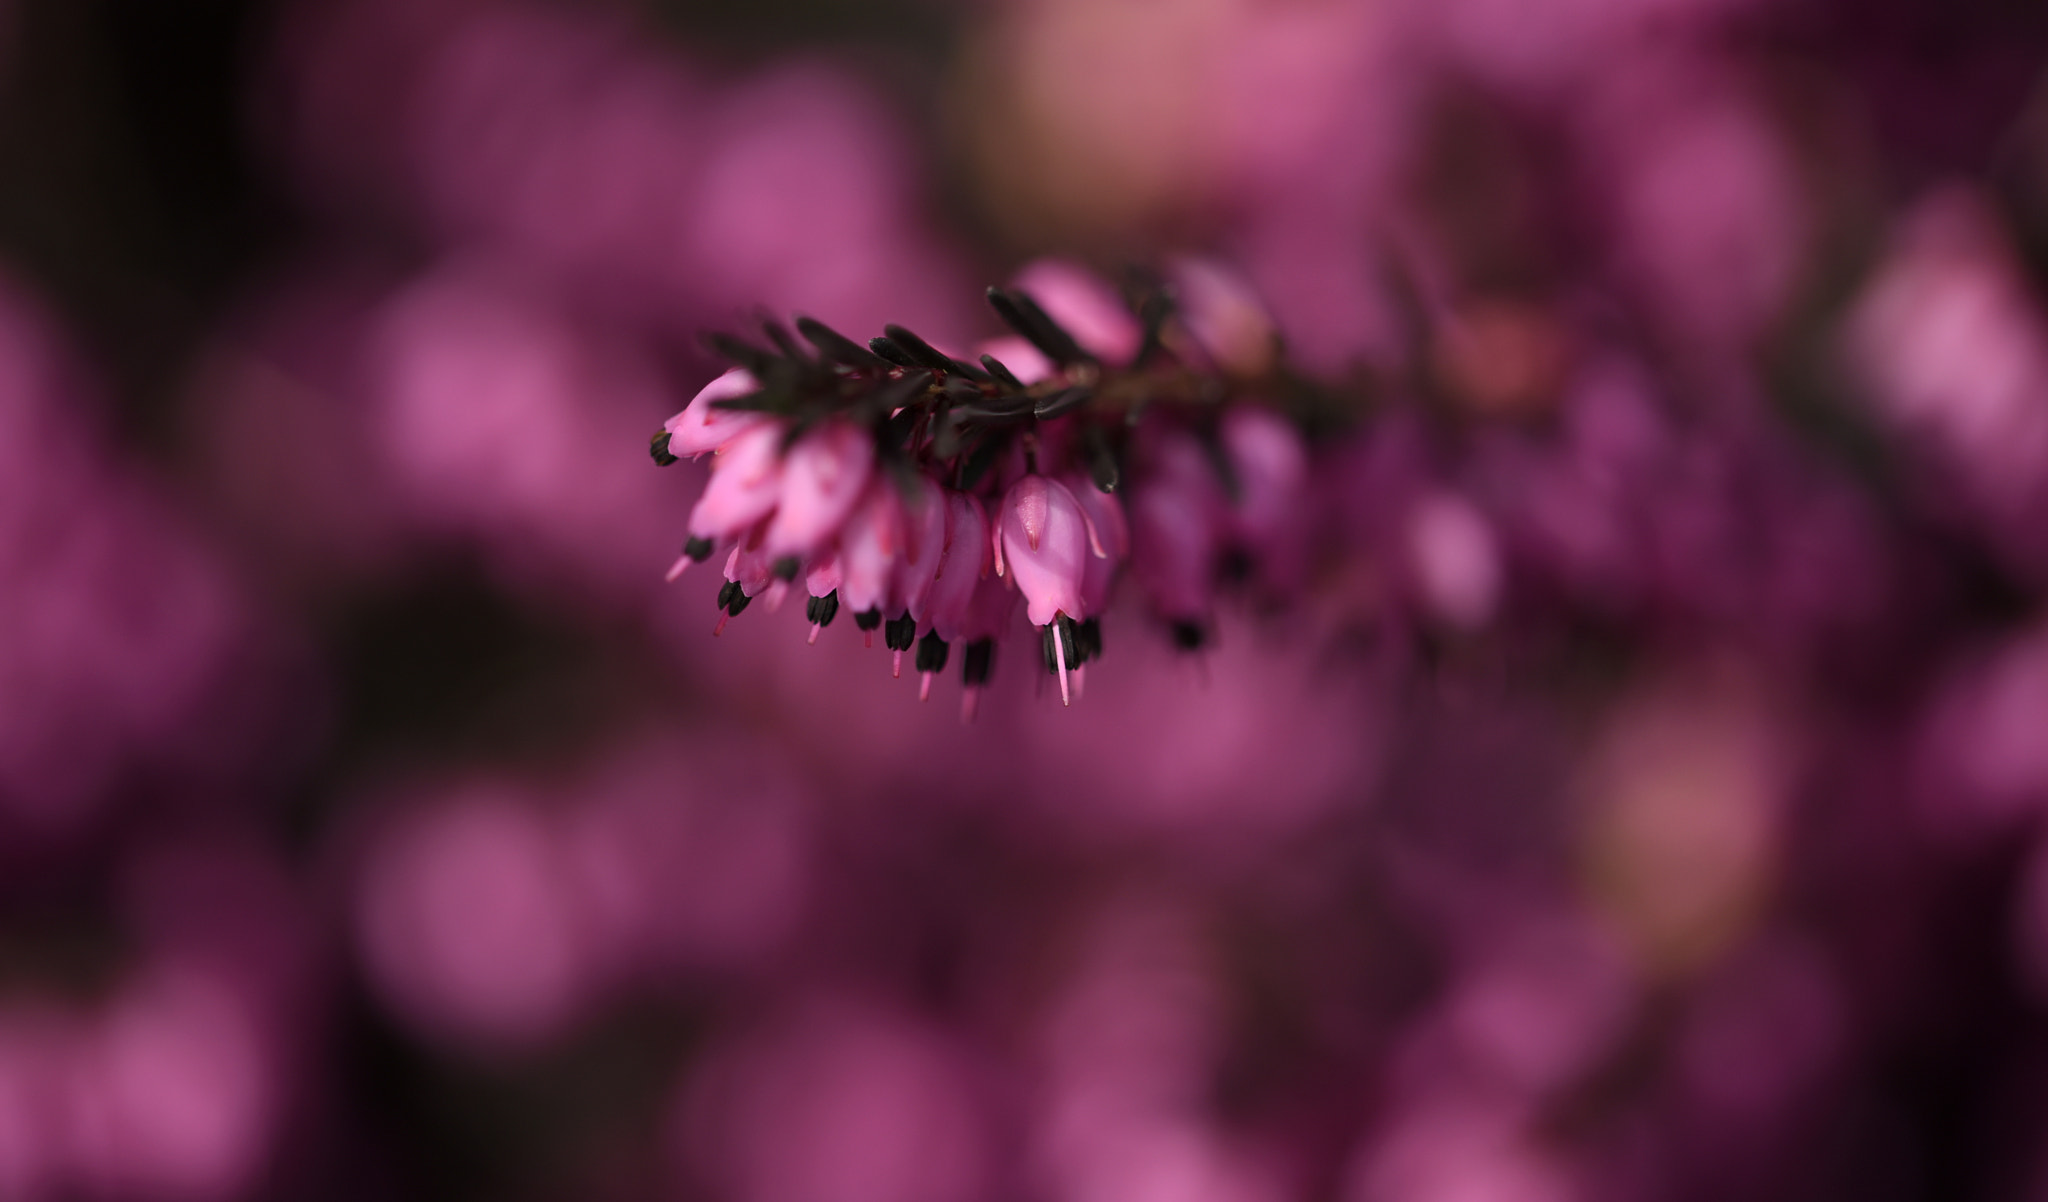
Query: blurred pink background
1617, 776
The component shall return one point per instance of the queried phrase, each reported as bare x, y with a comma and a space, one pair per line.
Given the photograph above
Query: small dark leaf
1023, 314
930, 356
893, 353
1066, 400
780, 336
993, 411
959, 391
838, 347
1003, 374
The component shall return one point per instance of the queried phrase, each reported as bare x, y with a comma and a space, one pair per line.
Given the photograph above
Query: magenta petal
1109, 542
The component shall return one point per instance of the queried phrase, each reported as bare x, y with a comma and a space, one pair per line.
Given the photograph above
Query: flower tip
720, 628
896, 667
676, 569
924, 686
815, 628
970, 704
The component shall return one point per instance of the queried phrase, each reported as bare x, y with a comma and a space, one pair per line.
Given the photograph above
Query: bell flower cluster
933, 496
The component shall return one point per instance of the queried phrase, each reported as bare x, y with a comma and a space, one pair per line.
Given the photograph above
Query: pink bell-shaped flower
918, 567
748, 573
702, 426
1042, 543
746, 484
963, 561
989, 614
1109, 541
1226, 318
1177, 508
869, 544
822, 478
962, 565
1269, 517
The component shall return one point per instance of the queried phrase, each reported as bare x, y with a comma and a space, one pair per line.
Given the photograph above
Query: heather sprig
927, 492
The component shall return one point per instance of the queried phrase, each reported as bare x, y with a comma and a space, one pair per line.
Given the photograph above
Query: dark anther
1062, 628
900, 633
1237, 565
893, 353
659, 445
931, 653
978, 661
698, 549
1088, 640
1022, 314
838, 347
1188, 636
785, 569
1102, 466
732, 598
820, 611
930, 356
868, 619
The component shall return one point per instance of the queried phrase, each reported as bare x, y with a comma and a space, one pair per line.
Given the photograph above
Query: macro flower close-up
1023, 601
